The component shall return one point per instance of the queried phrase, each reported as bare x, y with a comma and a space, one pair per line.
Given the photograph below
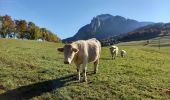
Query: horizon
66, 21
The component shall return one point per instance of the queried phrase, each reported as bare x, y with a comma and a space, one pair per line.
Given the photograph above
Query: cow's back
94, 49
87, 49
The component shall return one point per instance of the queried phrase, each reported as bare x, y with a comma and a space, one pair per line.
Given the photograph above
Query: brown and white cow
82, 52
114, 51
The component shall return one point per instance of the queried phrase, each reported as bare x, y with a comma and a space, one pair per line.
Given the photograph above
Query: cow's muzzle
66, 62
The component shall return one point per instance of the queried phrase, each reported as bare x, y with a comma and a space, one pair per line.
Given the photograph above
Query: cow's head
69, 52
113, 49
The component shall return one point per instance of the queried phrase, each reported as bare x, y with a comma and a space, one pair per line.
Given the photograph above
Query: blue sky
65, 17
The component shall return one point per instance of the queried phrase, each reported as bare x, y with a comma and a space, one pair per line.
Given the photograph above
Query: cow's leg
96, 66
112, 56
78, 72
85, 70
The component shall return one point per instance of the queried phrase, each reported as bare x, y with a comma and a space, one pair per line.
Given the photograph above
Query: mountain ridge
147, 32
106, 25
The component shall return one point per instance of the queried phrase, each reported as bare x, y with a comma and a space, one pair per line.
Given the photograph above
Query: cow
114, 51
82, 52
123, 53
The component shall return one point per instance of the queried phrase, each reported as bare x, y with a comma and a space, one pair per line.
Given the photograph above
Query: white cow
123, 53
82, 52
114, 51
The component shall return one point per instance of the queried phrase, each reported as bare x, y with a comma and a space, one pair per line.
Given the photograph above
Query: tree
0, 24
16, 27
52, 37
30, 30
7, 25
44, 33
21, 28
34, 31
37, 33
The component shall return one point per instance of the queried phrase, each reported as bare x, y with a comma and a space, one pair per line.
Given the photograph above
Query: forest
21, 29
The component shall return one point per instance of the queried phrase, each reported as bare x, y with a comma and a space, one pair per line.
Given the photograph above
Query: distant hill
106, 25
147, 32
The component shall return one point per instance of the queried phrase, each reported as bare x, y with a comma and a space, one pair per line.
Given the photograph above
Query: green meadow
35, 70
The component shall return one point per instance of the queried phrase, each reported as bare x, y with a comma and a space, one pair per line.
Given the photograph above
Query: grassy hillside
35, 70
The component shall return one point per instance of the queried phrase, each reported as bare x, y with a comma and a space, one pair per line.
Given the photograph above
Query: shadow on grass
32, 90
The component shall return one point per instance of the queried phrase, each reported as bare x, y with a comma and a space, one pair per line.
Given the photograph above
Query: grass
35, 70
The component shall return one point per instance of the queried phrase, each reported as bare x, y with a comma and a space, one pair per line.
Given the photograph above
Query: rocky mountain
147, 32
106, 25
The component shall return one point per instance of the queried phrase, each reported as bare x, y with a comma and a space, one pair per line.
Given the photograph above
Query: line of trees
22, 29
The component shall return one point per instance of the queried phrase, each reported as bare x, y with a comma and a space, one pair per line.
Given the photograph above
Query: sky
66, 17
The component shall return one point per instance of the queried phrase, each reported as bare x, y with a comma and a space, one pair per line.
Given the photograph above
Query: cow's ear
60, 49
75, 50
